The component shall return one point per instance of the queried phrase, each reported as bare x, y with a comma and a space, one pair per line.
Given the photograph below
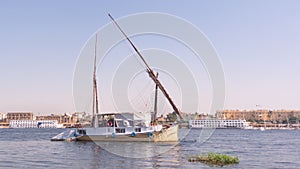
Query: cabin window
82, 132
120, 130
137, 129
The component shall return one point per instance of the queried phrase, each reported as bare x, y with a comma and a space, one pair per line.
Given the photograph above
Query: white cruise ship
217, 123
34, 124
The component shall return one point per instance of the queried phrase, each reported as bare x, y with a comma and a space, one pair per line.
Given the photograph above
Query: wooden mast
155, 102
95, 90
150, 71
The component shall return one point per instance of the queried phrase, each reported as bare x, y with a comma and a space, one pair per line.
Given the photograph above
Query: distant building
49, 117
3, 123
19, 116
70, 119
1, 117
259, 115
202, 116
79, 115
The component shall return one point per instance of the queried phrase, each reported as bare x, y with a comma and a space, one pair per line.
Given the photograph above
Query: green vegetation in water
215, 159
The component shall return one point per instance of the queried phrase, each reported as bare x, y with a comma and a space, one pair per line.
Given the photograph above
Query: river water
32, 148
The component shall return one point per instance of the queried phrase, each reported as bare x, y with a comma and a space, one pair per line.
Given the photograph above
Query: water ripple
31, 148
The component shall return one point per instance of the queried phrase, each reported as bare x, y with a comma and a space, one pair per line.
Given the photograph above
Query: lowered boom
150, 71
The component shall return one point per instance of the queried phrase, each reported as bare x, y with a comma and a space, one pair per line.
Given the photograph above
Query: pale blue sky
257, 42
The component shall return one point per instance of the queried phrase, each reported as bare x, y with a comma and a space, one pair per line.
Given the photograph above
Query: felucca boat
128, 127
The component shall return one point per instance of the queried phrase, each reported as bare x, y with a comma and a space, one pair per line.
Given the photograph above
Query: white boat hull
169, 134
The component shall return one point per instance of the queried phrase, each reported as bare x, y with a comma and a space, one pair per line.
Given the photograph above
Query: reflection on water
136, 150
31, 148
104, 159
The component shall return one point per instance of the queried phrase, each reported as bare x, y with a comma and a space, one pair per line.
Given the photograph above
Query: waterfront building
202, 116
217, 123
259, 115
79, 115
65, 119
34, 124
4, 125
1, 117
50, 117
19, 116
